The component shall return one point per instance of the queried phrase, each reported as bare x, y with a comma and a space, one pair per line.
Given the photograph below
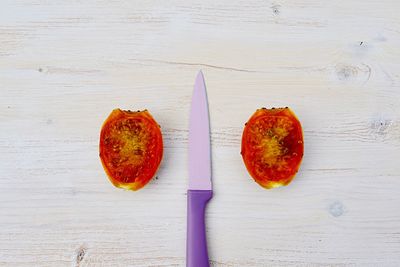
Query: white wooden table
64, 65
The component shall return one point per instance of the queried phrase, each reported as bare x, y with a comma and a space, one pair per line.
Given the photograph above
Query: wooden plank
64, 65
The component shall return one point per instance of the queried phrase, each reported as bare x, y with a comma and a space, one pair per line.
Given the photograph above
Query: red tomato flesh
272, 146
131, 148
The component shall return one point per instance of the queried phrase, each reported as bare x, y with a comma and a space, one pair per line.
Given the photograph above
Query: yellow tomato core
272, 141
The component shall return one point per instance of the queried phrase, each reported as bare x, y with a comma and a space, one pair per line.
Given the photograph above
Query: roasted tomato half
131, 148
272, 146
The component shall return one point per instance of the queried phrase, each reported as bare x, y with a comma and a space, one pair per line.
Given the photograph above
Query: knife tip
200, 74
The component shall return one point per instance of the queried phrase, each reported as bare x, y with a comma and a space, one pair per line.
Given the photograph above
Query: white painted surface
64, 65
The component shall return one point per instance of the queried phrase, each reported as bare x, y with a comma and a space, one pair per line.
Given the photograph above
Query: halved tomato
272, 146
131, 148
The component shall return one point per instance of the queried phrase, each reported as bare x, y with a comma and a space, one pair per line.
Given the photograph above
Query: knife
200, 188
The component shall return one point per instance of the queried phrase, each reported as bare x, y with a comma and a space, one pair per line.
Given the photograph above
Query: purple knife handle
196, 246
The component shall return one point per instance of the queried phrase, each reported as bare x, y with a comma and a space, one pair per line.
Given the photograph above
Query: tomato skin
131, 148
272, 146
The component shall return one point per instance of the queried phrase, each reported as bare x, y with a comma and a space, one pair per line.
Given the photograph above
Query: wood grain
64, 65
